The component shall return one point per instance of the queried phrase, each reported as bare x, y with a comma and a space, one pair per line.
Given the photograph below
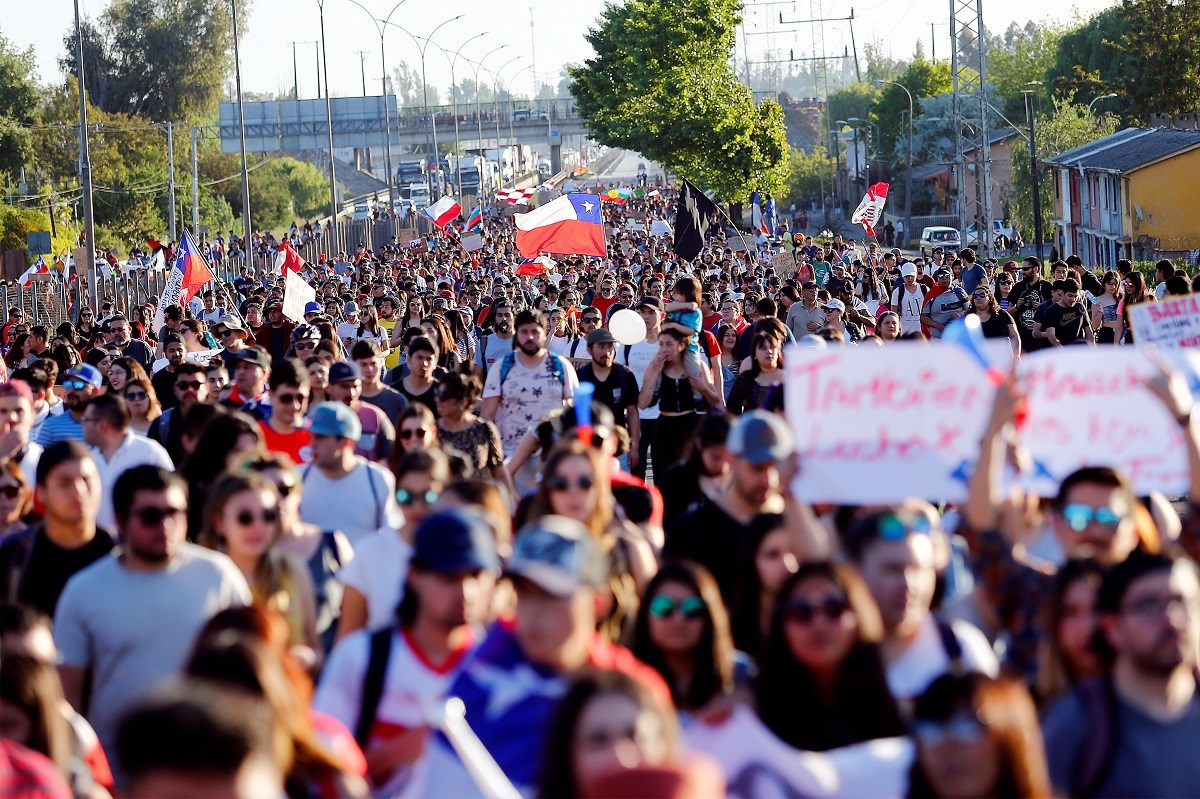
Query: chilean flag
287, 259
442, 211
38, 267
870, 210
568, 225
190, 272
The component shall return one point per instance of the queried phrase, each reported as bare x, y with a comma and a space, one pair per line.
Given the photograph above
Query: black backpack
372, 688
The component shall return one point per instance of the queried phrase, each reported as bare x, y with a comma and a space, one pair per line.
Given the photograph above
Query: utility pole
968, 67
248, 240
295, 74
1033, 173
333, 210
85, 167
171, 178
532, 56
195, 186
362, 65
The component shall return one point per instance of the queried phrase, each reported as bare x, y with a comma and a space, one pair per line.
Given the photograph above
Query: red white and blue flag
185, 279
567, 225
38, 267
287, 259
442, 212
474, 220
870, 210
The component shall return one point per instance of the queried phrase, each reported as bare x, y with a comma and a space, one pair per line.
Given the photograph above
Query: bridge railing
518, 112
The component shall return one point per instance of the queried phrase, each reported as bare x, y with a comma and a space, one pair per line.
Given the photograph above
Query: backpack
379, 504
380, 653
556, 366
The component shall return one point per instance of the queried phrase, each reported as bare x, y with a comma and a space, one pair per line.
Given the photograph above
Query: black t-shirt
617, 393
425, 398
997, 326
1024, 301
163, 382
1069, 323
711, 537
47, 567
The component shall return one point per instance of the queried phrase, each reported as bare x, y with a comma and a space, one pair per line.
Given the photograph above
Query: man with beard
163, 380
616, 387
122, 336
131, 619
82, 382
495, 346
1029, 293
1134, 730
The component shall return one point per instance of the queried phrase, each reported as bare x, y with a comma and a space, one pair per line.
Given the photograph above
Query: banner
757, 764
877, 425
1088, 407
660, 227
1172, 324
784, 264
296, 294
472, 242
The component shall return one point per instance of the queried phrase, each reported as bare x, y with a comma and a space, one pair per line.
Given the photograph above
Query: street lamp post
867, 145
333, 211
512, 139
496, 84
454, 102
1095, 100
908, 162
85, 166
479, 111
247, 240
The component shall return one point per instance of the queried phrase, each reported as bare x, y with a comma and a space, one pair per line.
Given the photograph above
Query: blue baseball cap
87, 373
760, 437
455, 541
313, 307
335, 419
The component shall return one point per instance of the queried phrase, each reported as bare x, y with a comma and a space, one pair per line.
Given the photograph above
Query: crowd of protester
249, 556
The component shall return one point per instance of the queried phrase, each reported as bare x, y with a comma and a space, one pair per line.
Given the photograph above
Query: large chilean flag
567, 225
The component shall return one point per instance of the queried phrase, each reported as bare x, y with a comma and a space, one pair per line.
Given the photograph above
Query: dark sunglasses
10, 492
692, 607
306, 345
187, 385
266, 516
406, 497
292, 399
152, 517
136, 396
420, 432
563, 484
803, 611
593, 319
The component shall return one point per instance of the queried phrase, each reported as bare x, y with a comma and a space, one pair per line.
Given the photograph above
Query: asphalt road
625, 168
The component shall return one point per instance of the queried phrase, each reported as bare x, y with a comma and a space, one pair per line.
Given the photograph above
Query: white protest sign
784, 264
1173, 323
202, 357
1088, 407
877, 425
472, 242
296, 294
757, 764
660, 227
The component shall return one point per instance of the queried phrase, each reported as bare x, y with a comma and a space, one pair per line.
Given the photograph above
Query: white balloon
627, 326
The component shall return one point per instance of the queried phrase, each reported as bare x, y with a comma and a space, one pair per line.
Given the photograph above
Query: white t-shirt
136, 628
135, 450
527, 396
640, 356
377, 572
411, 688
910, 304
359, 504
926, 659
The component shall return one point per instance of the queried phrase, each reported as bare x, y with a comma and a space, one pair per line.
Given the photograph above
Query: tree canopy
19, 107
661, 84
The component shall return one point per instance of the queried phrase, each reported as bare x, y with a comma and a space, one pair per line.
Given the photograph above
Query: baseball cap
941, 273
558, 555
335, 419
350, 307
808, 285
87, 373
651, 302
228, 324
455, 541
834, 305
342, 371
313, 307
255, 355
908, 269
600, 336
759, 437
275, 306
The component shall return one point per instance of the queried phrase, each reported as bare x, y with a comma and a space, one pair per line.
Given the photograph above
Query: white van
945, 237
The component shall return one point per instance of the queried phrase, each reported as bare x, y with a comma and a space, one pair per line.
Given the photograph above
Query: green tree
1163, 41
661, 84
1069, 125
19, 105
923, 79
810, 174
854, 100
1085, 64
406, 83
1024, 58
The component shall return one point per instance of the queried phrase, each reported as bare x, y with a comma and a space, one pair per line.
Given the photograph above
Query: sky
557, 36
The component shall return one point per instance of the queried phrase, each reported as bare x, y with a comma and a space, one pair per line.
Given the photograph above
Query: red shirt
602, 304
297, 444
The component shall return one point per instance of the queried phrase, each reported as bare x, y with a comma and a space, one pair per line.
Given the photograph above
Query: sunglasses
267, 516
407, 498
292, 399
692, 607
420, 432
187, 385
962, 728
980, 296
595, 320
75, 385
803, 612
306, 345
1078, 516
446, 396
136, 396
10, 492
897, 527
563, 484
152, 517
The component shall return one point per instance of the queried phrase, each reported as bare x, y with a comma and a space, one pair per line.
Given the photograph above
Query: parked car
1000, 227
944, 237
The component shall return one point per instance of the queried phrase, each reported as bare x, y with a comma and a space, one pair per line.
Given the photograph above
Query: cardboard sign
1172, 324
406, 236
296, 294
1088, 406
784, 264
876, 425
737, 243
472, 242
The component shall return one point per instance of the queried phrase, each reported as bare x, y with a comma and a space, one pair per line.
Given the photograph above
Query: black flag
692, 215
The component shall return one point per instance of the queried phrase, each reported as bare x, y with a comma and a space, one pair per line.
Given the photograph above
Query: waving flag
38, 267
474, 220
190, 272
442, 212
870, 210
618, 196
570, 225
287, 259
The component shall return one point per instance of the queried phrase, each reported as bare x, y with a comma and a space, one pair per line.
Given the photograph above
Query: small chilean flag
287, 259
186, 278
568, 225
38, 267
442, 212
870, 210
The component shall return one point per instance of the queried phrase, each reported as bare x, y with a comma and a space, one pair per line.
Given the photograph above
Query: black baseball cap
455, 541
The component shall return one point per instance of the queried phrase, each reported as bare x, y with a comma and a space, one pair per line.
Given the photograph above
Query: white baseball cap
908, 269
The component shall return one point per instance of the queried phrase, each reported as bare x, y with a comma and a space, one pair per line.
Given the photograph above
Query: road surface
625, 168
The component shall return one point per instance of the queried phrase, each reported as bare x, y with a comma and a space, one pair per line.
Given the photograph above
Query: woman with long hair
311, 769
143, 403
86, 328
871, 290
703, 473
682, 399
993, 320
65, 355
766, 369
414, 313
1135, 292
1068, 654
977, 736
242, 521
888, 326
194, 333
727, 338
822, 682
447, 352
461, 429
318, 381
224, 441
1004, 287
17, 352
682, 631
369, 328
416, 429
16, 498
580, 745
122, 370
1108, 317
766, 558
458, 323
